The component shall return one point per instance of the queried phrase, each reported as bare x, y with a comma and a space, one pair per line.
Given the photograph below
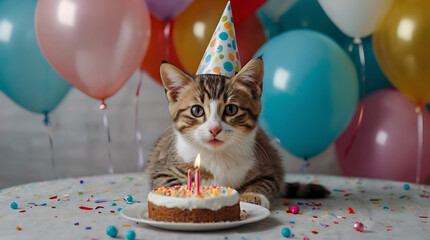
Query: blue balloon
310, 91
25, 75
374, 79
303, 14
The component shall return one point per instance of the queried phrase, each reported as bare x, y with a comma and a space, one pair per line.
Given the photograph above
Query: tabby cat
217, 117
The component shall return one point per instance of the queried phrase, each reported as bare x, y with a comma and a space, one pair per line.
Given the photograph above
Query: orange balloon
250, 37
193, 29
160, 49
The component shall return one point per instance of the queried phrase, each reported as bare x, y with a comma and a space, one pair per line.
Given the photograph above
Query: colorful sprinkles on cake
183, 192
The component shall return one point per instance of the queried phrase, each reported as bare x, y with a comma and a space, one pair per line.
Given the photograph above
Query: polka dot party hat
222, 56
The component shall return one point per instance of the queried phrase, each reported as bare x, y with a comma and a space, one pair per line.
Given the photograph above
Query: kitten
217, 117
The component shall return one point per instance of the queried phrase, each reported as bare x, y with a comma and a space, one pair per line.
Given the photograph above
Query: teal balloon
302, 14
310, 91
374, 79
25, 75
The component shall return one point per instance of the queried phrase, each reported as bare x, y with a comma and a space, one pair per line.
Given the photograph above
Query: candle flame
197, 162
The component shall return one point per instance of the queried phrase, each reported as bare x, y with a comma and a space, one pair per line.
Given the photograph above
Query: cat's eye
231, 110
197, 111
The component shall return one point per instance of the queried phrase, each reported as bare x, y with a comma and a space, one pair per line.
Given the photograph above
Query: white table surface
386, 209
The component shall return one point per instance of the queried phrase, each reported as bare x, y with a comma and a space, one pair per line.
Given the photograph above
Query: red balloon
385, 144
242, 9
250, 37
160, 49
95, 45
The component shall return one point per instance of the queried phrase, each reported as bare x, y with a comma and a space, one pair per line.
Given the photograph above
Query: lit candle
197, 177
189, 180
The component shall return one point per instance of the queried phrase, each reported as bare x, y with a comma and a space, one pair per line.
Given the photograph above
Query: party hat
222, 56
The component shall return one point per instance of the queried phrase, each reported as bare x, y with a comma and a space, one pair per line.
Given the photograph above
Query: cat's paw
255, 198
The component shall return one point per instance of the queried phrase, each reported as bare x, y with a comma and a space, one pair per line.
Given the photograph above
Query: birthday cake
177, 204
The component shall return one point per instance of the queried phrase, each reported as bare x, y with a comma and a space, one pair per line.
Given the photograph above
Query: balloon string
106, 125
420, 131
363, 92
363, 65
166, 40
47, 123
140, 160
305, 165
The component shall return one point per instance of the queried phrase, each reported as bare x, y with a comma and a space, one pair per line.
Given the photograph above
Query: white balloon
356, 18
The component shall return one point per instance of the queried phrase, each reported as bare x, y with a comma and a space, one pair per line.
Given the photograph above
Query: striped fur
242, 156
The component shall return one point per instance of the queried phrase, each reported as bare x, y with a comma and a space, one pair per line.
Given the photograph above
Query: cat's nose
215, 131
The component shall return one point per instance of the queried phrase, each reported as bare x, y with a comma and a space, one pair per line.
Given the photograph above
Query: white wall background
80, 140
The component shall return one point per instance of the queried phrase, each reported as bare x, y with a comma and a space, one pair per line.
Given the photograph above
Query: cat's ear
251, 76
174, 80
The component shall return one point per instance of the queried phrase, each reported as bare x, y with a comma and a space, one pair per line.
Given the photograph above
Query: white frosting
213, 203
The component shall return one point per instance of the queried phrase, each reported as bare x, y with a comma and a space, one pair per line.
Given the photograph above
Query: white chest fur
228, 167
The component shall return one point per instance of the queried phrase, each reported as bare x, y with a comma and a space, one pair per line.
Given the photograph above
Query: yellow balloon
193, 29
402, 48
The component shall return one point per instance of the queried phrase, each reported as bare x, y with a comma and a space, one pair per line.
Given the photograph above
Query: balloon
242, 9
306, 14
250, 37
385, 145
25, 75
276, 8
160, 49
310, 91
401, 48
193, 29
167, 9
270, 13
356, 19
95, 45
375, 79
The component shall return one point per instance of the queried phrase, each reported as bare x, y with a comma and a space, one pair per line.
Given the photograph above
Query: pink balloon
385, 145
96, 45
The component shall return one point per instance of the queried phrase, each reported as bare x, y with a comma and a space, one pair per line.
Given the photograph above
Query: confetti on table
85, 208
54, 197
18, 228
112, 231
286, 232
324, 225
372, 207
14, 205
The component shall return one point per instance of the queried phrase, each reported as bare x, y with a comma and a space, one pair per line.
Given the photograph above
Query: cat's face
213, 111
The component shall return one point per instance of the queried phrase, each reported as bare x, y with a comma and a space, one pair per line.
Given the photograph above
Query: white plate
139, 213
